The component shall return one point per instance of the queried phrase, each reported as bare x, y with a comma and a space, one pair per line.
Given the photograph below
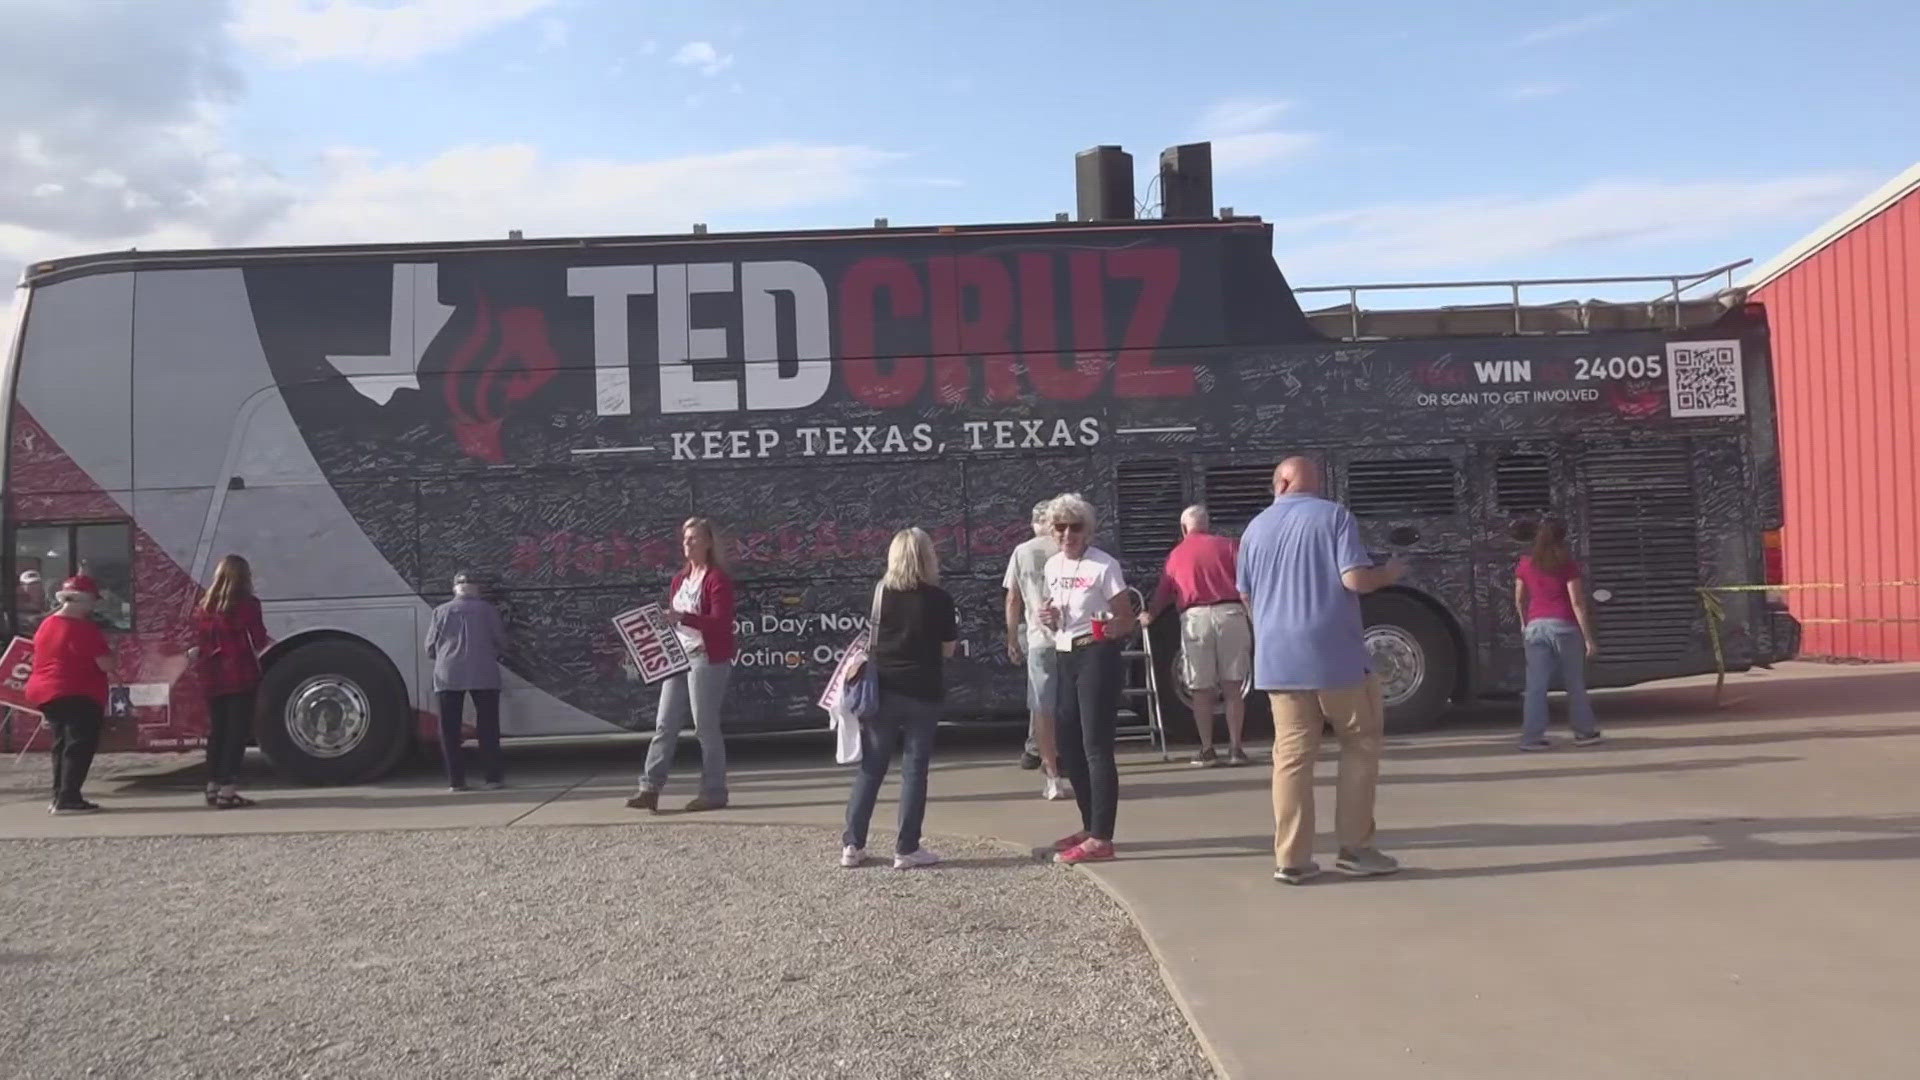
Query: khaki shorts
1216, 646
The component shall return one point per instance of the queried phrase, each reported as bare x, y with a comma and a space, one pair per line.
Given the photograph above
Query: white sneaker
1058, 787
852, 857
915, 859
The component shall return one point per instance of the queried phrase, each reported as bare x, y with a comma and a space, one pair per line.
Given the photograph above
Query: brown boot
646, 800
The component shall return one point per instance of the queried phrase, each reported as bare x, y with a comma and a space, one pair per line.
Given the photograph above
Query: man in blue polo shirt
1302, 571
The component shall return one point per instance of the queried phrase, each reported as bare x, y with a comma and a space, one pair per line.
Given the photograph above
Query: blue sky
1386, 140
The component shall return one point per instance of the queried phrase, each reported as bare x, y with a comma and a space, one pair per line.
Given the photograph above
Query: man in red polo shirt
1216, 637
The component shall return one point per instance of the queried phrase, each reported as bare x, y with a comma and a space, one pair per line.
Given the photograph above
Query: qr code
1704, 379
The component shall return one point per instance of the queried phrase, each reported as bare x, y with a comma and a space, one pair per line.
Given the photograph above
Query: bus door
1639, 539
1519, 483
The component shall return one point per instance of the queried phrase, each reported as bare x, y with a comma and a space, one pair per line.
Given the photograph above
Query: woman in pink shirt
1548, 590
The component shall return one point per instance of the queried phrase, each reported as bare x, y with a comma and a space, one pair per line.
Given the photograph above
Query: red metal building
1844, 305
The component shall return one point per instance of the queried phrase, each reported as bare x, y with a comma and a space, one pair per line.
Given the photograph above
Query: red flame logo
502, 362
1636, 399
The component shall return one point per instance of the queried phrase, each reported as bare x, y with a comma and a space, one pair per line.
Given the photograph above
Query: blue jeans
1556, 643
696, 695
906, 724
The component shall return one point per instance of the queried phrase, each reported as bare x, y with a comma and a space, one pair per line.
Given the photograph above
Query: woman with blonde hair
915, 632
700, 604
228, 638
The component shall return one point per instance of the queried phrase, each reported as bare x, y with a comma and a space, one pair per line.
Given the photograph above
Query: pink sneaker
1073, 841
1087, 851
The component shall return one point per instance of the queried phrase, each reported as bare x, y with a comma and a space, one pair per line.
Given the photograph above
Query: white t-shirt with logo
686, 600
1027, 572
1082, 588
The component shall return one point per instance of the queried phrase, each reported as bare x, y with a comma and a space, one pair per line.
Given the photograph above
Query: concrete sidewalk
1712, 893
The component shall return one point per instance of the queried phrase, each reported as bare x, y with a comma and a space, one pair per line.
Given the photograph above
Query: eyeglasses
1069, 526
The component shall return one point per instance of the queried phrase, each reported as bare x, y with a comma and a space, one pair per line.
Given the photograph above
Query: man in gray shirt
1031, 643
465, 640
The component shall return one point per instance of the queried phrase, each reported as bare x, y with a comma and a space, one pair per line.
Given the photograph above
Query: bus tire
333, 712
1415, 656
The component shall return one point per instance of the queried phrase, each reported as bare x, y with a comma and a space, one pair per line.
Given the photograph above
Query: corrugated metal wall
1846, 338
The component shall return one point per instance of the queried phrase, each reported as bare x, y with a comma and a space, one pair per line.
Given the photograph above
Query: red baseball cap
81, 583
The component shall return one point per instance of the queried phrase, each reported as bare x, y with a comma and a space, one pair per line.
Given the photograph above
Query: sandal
213, 797
232, 802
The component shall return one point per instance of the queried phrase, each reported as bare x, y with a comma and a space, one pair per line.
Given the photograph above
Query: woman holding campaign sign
228, 638
69, 687
913, 634
1090, 612
700, 605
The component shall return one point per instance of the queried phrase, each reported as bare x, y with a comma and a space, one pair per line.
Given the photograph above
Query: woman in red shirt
700, 604
1558, 631
69, 687
228, 638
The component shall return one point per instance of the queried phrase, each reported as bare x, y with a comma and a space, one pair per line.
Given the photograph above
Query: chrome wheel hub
328, 716
1398, 661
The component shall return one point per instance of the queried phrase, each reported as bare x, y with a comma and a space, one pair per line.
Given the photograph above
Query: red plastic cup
1099, 629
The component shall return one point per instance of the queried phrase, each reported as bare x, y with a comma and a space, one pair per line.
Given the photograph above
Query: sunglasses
1070, 527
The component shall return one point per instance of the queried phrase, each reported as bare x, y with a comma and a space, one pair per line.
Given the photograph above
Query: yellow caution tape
1716, 611
1811, 585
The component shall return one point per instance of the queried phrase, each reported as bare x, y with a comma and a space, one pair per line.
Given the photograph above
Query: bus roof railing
1671, 310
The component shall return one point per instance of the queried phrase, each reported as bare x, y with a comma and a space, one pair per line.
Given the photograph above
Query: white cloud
703, 57
301, 31
1245, 134
478, 192
1560, 31
1535, 91
1242, 115
553, 34
481, 191
1435, 237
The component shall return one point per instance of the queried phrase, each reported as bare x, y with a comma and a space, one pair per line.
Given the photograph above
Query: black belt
1083, 641
1216, 603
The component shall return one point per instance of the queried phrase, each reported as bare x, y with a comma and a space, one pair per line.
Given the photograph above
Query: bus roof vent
1186, 181
1104, 182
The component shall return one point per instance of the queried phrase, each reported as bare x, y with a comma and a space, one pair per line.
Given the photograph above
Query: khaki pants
1359, 720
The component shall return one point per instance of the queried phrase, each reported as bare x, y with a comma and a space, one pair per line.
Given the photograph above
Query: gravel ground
682, 951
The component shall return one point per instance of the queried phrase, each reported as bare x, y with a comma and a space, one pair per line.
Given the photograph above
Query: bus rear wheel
1413, 654
334, 713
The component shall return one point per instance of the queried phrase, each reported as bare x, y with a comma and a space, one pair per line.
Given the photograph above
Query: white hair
1072, 508
1195, 518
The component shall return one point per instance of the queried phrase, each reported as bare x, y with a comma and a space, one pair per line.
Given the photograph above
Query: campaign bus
362, 422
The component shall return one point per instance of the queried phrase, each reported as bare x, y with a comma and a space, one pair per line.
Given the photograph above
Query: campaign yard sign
652, 642
16, 666
850, 660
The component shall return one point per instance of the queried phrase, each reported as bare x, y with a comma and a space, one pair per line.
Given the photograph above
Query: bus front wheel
334, 713
1414, 655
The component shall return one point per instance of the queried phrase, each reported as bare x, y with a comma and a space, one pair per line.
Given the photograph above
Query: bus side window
1151, 493
1522, 483
1235, 495
46, 555
1405, 488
